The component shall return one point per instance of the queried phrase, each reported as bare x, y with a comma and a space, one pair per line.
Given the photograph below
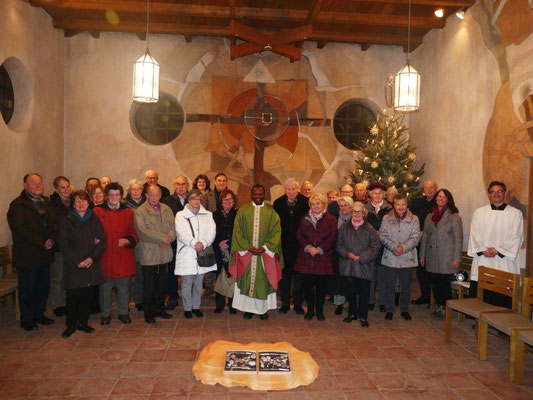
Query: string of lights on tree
387, 156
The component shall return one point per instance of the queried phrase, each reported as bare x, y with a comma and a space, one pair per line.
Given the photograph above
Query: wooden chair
507, 322
523, 336
488, 279
8, 282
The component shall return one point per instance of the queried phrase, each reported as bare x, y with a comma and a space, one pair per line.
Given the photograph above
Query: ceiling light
146, 73
461, 13
439, 13
407, 81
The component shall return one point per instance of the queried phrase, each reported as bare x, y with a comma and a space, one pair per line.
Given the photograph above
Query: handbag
225, 284
206, 257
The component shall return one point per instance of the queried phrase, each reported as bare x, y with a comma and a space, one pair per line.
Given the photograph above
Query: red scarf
437, 215
398, 216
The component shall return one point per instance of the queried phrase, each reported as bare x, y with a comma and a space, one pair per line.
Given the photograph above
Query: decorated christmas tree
388, 157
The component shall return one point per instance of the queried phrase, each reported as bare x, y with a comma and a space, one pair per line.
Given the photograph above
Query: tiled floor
391, 360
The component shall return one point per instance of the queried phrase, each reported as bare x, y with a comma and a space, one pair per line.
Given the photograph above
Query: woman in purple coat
316, 237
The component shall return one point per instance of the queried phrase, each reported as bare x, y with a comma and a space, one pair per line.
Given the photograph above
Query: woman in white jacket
195, 231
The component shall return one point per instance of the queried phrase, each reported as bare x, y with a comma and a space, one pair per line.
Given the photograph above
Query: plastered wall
34, 51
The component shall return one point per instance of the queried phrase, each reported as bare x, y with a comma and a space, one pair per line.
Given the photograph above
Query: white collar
260, 205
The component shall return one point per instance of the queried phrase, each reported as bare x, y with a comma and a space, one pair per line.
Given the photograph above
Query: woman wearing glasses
358, 245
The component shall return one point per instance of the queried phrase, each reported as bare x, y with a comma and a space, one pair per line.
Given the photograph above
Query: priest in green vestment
256, 257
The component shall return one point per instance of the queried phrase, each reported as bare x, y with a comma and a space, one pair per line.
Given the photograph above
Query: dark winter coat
118, 262
77, 241
374, 218
164, 191
30, 232
61, 211
421, 207
323, 236
132, 203
289, 225
224, 223
363, 242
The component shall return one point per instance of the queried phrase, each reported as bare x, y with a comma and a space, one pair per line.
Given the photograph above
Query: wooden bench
8, 282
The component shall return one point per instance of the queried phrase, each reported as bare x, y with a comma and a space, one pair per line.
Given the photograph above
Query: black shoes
84, 328
299, 310
264, 316
309, 316
149, 320
382, 308
198, 313
68, 332
248, 315
406, 316
364, 323
163, 315
320, 317
371, 307
172, 304
218, 310
283, 310
389, 316
29, 327
420, 301
44, 320
188, 314
105, 320
125, 319
338, 310
139, 306
60, 311
349, 318
232, 310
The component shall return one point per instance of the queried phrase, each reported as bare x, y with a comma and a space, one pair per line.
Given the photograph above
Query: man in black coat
176, 202
152, 177
421, 208
291, 208
32, 221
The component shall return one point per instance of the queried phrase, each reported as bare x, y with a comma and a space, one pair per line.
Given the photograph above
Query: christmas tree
387, 157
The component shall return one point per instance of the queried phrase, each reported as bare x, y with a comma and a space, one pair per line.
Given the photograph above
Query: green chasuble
257, 227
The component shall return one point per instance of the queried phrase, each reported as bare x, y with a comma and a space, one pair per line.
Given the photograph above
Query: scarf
378, 207
437, 215
398, 216
357, 225
195, 212
316, 217
83, 219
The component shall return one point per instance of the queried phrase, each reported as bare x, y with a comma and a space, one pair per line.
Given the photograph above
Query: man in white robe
496, 235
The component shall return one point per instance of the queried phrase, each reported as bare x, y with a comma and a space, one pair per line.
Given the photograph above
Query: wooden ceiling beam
365, 46
378, 38
72, 32
313, 12
321, 43
232, 9
261, 38
266, 14
245, 49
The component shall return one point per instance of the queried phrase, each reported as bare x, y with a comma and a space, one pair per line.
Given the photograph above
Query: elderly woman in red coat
316, 237
119, 256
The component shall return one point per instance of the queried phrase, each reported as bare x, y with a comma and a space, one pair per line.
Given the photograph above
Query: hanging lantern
407, 89
146, 79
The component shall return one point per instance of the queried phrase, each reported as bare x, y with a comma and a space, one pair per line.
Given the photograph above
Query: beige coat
153, 229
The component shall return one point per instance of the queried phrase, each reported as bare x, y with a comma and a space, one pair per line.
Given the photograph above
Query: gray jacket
153, 229
394, 233
363, 242
442, 244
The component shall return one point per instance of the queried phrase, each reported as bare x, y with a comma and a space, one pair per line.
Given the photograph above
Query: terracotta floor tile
425, 380
248, 396
475, 394
50, 356
282, 395
400, 394
344, 366
55, 387
70, 370
355, 382
514, 393
492, 379
323, 383
397, 352
17, 387
129, 397
438, 394
148, 355
184, 343
95, 386
7, 369
442, 364
83, 356
129, 343
106, 369
172, 385
172, 368
33, 370
363, 395
181, 355
141, 369
199, 387
367, 352
459, 380
377, 365
115, 355
130, 386
390, 381
325, 395
338, 352
207, 396
409, 365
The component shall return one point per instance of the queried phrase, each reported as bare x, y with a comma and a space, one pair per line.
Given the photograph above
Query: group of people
358, 244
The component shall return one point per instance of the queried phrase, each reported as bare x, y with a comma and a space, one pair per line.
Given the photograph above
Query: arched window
158, 123
7, 97
351, 123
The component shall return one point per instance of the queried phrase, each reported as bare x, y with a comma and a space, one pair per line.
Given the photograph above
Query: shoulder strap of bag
192, 230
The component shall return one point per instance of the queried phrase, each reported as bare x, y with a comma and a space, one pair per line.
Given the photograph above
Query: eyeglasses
357, 212
497, 191
227, 199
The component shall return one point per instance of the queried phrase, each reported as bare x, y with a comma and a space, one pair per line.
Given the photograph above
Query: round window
352, 122
7, 96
